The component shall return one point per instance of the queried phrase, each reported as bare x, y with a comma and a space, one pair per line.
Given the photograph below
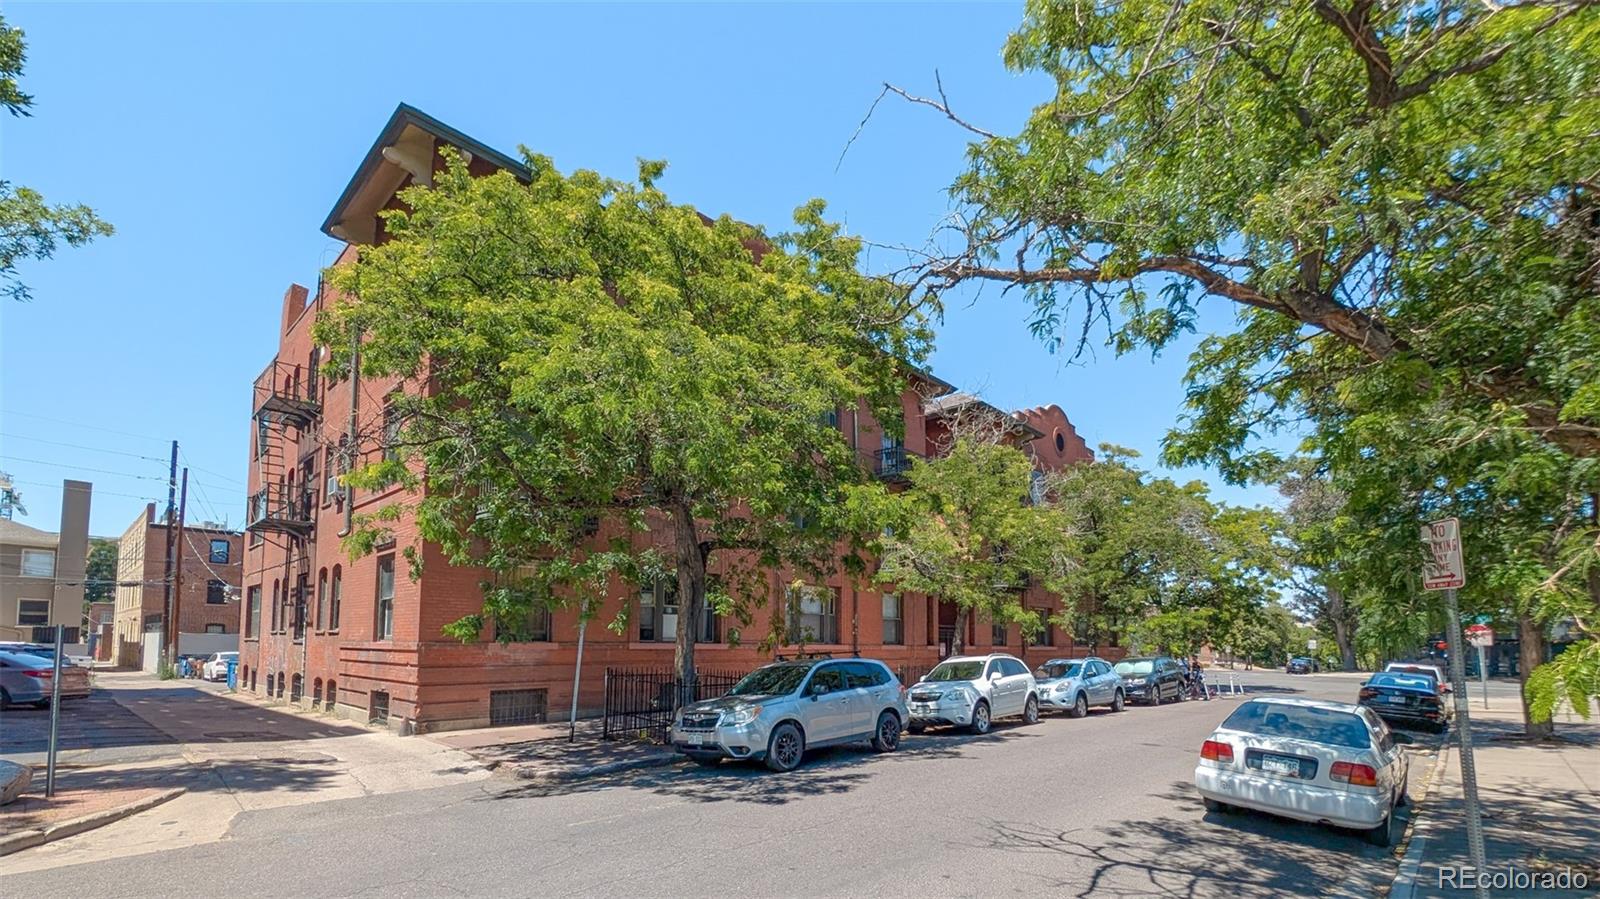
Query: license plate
922, 706
1395, 700
695, 739
1277, 764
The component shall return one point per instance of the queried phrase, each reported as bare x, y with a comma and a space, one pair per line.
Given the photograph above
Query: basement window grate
508, 707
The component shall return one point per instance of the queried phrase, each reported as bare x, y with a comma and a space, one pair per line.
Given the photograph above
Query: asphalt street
1102, 806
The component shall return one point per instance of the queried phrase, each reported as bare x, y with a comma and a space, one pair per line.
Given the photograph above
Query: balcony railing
892, 463
288, 393
281, 508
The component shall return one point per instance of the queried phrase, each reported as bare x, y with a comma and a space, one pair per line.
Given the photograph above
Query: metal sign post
1446, 572
1481, 636
55, 715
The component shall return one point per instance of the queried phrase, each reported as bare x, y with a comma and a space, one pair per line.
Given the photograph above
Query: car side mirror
1365, 682
995, 675
818, 690
1401, 739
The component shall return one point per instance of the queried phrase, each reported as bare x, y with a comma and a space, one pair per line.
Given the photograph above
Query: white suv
972, 691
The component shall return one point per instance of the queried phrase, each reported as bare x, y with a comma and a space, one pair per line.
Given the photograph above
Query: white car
216, 667
1429, 669
1321, 762
972, 691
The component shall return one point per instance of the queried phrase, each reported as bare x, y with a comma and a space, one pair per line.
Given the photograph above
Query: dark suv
1151, 680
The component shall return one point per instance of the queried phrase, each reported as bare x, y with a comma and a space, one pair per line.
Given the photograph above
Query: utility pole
166, 576
177, 571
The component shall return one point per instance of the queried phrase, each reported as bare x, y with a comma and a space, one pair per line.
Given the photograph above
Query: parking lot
1101, 806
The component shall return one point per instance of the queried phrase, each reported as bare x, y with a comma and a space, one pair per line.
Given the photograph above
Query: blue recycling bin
233, 674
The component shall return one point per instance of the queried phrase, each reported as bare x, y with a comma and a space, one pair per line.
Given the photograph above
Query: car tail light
1354, 774
1217, 751
45, 673
1368, 693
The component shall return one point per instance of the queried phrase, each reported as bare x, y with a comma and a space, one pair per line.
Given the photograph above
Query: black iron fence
640, 702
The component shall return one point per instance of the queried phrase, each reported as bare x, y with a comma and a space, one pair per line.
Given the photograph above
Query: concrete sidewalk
1541, 805
231, 757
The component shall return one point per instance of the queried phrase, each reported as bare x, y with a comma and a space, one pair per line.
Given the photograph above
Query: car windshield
956, 671
1059, 669
1300, 722
1136, 667
1403, 680
773, 680
1414, 669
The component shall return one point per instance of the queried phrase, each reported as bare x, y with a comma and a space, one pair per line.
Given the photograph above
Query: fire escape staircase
284, 397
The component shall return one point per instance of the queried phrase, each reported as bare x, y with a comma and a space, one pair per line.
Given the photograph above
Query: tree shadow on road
1208, 854
299, 772
830, 771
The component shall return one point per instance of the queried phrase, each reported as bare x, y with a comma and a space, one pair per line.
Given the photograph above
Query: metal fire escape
285, 397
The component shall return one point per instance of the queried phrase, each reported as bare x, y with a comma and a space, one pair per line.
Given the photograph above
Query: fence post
605, 711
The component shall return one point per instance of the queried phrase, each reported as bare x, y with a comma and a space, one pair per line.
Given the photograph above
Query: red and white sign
1480, 635
1445, 571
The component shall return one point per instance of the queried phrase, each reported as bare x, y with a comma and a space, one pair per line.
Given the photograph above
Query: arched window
322, 595
333, 599
296, 687
316, 693
333, 695
277, 603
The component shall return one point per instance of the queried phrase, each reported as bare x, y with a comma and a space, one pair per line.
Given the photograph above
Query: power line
94, 449
79, 424
97, 490
142, 477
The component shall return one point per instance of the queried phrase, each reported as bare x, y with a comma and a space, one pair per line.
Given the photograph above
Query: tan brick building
365, 639
42, 573
209, 595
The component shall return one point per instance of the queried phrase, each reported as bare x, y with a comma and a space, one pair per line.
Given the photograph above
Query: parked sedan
1314, 761
216, 667
1151, 680
1072, 685
1302, 665
972, 691
778, 711
26, 679
1402, 698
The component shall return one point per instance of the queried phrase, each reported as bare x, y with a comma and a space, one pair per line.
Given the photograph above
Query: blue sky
216, 137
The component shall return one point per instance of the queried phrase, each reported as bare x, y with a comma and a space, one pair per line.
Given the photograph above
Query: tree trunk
1530, 655
691, 595
1343, 628
958, 642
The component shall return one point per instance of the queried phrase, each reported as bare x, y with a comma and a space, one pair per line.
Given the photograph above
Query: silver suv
972, 691
1072, 685
779, 711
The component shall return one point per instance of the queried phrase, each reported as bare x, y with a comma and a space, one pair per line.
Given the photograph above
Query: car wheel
707, 761
785, 748
1030, 712
1213, 805
887, 737
1117, 702
1155, 695
916, 728
5, 697
1383, 834
41, 704
980, 718
1080, 707
1404, 799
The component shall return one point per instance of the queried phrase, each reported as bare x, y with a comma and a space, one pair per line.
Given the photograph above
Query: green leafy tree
969, 531
30, 228
1315, 520
100, 574
619, 388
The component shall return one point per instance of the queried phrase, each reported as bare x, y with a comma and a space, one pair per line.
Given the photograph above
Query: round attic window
1061, 442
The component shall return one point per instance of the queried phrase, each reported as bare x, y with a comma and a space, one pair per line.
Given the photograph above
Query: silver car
972, 691
1073, 685
779, 711
26, 680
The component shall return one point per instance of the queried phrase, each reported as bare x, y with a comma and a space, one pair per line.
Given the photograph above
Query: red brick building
364, 639
212, 561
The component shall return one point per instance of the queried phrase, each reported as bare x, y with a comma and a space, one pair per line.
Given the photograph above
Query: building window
302, 592
534, 627
277, 606
33, 612
252, 618
333, 599
38, 563
220, 551
658, 611
893, 624
152, 622
1047, 630
216, 592
391, 431
814, 616
322, 595
330, 473
830, 419
997, 633
384, 625
214, 629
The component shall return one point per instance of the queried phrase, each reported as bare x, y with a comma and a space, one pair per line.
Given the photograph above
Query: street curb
27, 839
1405, 879
539, 775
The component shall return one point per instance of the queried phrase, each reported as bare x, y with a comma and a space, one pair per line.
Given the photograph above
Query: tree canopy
619, 387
